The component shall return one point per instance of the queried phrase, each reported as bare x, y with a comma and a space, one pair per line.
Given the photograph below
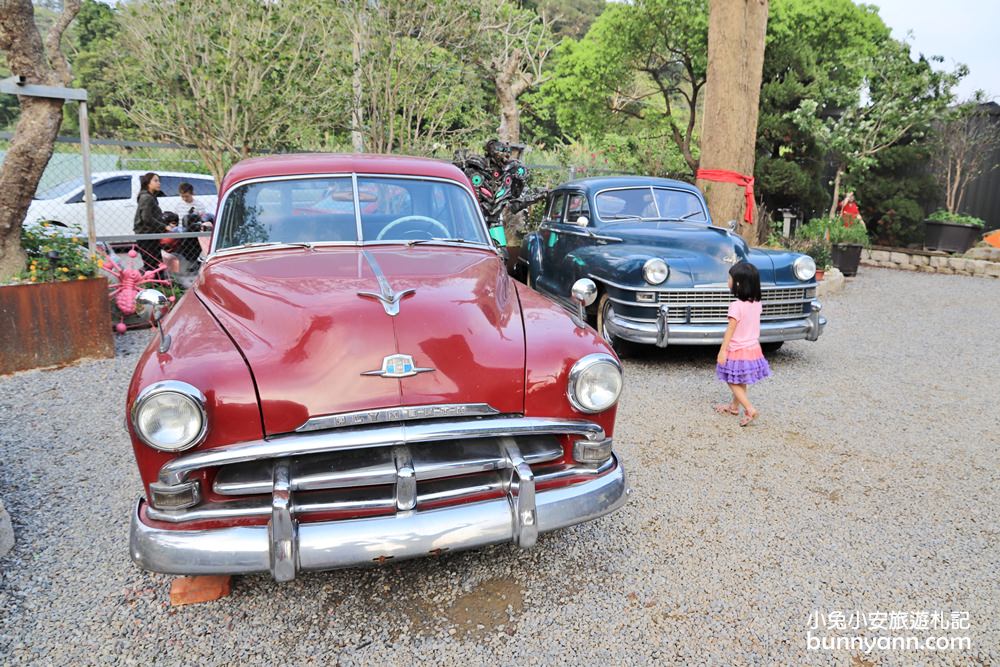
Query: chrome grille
689, 297
376, 466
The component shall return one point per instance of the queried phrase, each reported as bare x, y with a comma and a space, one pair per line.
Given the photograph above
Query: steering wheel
413, 218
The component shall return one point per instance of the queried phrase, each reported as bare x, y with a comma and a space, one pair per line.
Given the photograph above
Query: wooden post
88, 186
736, 31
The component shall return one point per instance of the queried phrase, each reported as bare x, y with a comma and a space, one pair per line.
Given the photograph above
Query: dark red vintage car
354, 379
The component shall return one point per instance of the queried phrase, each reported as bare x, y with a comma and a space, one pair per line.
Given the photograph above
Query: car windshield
60, 190
649, 203
318, 210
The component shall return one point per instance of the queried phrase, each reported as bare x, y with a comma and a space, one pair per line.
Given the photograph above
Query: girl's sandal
726, 409
747, 418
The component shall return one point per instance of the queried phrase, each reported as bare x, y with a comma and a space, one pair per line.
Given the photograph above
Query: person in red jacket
849, 210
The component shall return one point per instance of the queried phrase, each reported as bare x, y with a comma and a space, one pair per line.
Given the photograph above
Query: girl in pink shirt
741, 361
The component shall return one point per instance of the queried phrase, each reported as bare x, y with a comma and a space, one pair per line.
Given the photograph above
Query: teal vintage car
654, 267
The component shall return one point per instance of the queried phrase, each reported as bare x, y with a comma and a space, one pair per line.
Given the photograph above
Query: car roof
594, 184
138, 172
308, 164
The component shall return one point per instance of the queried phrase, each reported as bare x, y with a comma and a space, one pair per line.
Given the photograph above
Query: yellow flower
32, 266
81, 277
75, 240
64, 270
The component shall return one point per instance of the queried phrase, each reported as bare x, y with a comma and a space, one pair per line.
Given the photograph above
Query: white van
115, 195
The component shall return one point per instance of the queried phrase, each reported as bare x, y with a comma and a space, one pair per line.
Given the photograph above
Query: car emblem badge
398, 366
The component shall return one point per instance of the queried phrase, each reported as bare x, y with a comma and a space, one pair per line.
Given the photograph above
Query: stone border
6, 531
930, 263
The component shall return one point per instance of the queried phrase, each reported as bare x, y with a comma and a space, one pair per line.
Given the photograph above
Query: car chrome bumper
285, 547
663, 333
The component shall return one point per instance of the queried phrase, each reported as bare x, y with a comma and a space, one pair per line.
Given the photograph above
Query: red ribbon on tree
726, 176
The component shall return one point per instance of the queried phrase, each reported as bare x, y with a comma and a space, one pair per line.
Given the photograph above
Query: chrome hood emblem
730, 259
389, 298
398, 366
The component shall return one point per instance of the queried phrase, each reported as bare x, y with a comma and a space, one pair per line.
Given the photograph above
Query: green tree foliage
899, 97
570, 18
230, 78
639, 70
816, 49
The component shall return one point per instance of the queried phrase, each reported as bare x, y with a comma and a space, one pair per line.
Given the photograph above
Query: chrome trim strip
177, 470
573, 232
336, 544
359, 228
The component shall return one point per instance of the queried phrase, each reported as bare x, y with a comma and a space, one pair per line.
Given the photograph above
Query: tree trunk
29, 152
510, 116
38, 124
736, 30
836, 191
357, 112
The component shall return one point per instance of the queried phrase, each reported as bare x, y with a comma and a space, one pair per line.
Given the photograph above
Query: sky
962, 31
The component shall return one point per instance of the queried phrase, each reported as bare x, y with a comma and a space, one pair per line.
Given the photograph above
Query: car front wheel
603, 314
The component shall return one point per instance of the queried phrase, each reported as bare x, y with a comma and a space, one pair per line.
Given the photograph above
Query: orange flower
81, 277
64, 270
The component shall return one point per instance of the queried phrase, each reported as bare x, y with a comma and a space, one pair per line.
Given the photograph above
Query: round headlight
595, 383
170, 416
804, 267
655, 271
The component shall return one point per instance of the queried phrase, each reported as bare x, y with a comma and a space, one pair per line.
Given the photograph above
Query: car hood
310, 336
705, 253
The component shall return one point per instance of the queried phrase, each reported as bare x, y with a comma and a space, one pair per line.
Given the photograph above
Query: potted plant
951, 232
819, 250
56, 310
846, 244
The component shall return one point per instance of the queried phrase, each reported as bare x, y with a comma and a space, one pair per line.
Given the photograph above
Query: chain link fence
117, 165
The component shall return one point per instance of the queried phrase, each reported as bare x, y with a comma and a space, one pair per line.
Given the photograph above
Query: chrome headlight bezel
653, 268
579, 371
189, 393
804, 267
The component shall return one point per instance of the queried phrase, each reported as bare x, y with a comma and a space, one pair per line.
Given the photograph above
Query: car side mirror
583, 293
153, 305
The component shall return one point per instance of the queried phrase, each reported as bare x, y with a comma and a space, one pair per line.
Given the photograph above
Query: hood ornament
731, 259
398, 366
390, 299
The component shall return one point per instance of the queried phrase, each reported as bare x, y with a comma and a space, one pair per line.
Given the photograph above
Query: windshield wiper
262, 244
622, 217
417, 241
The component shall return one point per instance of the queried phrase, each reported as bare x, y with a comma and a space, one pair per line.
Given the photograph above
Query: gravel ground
870, 483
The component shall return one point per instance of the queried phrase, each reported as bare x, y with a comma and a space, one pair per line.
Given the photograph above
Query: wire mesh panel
116, 167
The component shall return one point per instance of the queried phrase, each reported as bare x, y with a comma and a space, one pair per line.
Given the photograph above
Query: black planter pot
846, 257
949, 236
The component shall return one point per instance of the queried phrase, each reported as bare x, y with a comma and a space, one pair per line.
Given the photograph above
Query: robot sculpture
500, 183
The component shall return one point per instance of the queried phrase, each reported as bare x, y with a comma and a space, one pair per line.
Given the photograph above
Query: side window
169, 185
113, 188
203, 186
577, 207
556, 207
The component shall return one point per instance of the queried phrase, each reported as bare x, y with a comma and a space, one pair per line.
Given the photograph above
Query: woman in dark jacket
149, 220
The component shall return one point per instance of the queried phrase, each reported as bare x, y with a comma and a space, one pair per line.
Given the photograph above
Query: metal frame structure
16, 85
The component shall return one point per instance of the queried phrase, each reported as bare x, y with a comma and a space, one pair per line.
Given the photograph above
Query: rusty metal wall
51, 324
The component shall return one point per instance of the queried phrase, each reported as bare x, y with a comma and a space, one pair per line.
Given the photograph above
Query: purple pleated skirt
745, 366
